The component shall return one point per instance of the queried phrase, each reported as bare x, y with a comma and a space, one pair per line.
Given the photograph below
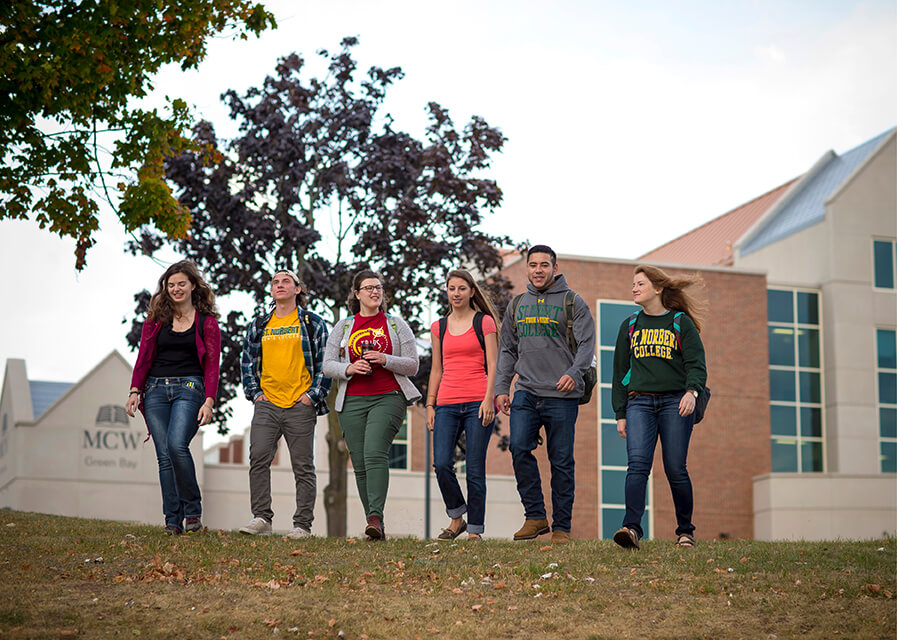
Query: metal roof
43, 394
712, 242
805, 207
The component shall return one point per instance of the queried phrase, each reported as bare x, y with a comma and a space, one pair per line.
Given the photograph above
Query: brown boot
532, 529
559, 536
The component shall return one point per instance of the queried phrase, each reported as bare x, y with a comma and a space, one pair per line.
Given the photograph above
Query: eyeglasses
371, 288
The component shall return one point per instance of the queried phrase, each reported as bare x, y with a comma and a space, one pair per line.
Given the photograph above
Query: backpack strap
632, 320
478, 330
514, 304
443, 327
569, 298
677, 330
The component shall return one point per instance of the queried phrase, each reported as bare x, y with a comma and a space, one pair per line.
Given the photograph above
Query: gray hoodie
534, 344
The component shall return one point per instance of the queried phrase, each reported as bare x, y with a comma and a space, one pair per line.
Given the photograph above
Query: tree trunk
335, 492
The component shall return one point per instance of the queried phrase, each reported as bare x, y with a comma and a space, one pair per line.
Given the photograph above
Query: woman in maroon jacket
175, 383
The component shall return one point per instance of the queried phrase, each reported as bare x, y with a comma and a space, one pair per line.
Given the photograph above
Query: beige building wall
835, 258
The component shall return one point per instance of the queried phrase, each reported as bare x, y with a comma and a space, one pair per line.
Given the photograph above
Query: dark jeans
529, 412
648, 417
171, 408
297, 426
451, 421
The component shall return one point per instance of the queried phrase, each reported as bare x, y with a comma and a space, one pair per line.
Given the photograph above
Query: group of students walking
546, 341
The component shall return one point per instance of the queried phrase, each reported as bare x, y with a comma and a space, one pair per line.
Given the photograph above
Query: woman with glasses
370, 354
175, 383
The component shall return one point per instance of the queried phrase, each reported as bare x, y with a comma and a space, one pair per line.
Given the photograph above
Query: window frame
797, 368
879, 405
893, 244
406, 442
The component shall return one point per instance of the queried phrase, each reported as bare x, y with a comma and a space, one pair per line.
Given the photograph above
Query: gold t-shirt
284, 374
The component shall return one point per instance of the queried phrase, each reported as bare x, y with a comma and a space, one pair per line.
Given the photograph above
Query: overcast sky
628, 124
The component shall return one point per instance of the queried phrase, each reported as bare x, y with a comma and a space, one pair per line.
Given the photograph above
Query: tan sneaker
257, 527
532, 529
559, 536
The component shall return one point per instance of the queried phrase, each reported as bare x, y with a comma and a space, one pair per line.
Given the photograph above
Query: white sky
628, 124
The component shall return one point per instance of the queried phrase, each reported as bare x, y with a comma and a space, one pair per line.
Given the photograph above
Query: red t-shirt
370, 333
463, 370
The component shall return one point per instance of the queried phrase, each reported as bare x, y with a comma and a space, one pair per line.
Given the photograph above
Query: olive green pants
369, 424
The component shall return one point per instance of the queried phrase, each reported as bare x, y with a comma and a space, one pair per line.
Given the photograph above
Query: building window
401, 445
883, 252
612, 460
886, 382
795, 381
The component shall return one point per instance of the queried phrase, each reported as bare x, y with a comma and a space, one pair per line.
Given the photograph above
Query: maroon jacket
208, 348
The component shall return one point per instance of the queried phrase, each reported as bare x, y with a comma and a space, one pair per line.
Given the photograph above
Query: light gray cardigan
403, 362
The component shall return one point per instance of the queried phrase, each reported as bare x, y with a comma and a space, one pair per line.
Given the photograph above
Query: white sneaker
297, 533
257, 527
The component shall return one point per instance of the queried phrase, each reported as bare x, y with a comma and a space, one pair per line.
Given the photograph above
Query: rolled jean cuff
457, 512
476, 528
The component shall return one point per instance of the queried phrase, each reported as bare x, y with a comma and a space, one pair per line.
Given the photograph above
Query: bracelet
431, 406
131, 393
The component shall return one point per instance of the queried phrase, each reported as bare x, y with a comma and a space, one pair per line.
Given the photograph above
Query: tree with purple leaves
321, 181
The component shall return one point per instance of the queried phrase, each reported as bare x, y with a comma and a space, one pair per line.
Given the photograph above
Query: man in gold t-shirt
282, 370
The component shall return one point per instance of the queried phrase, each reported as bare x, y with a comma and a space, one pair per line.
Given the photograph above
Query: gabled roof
804, 205
43, 394
712, 242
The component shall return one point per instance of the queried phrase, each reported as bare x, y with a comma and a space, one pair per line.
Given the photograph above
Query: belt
633, 394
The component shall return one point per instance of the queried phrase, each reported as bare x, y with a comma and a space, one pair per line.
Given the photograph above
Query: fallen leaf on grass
321, 579
351, 541
271, 622
512, 608
874, 588
65, 633
477, 607
743, 560
457, 591
271, 584
500, 585
545, 547
433, 630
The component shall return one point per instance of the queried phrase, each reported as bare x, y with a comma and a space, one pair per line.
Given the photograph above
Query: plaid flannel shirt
314, 338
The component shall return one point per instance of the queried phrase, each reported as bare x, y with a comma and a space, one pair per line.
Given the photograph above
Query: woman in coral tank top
461, 399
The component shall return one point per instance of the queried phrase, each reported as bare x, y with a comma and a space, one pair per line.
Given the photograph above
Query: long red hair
674, 295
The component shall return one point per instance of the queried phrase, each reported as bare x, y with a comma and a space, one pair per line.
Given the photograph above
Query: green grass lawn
68, 577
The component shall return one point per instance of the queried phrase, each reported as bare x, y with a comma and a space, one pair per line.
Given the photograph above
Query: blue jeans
451, 421
171, 408
529, 412
648, 417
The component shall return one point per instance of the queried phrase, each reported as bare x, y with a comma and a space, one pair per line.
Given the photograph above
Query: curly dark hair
161, 308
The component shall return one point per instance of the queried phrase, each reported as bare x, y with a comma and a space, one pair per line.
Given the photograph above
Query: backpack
703, 399
477, 329
590, 376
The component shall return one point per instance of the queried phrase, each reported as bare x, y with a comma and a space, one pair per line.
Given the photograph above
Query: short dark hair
542, 248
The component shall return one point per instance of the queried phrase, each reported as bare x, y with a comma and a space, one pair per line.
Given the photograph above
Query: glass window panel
607, 367
607, 407
613, 447
612, 316
887, 349
884, 263
811, 422
810, 388
780, 305
781, 385
403, 430
889, 457
783, 420
887, 388
887, 422
807, 307
781, 346
808, 347
613, 486
810, 456
784, 455
611, 520
398, 458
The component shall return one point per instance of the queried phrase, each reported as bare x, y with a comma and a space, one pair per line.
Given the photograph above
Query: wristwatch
696, 394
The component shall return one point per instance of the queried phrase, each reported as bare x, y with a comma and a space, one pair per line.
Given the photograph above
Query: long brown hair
352, 302
674, 295
479, 301
161, 308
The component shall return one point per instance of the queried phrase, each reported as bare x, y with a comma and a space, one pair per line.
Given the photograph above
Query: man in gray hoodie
549, 384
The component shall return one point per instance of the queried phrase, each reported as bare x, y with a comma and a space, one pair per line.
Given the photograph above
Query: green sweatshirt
658, 365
